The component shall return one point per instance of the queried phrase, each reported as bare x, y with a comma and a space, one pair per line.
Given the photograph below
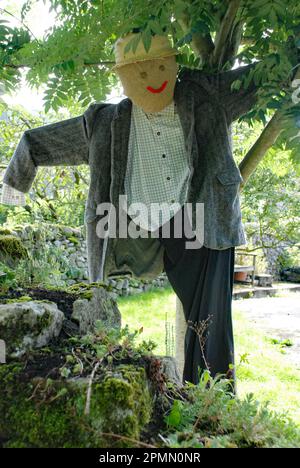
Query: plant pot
240, 276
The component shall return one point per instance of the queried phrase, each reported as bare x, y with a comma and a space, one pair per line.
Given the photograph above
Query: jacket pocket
226, 187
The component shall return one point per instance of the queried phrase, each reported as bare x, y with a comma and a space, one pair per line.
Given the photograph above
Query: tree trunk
264, 142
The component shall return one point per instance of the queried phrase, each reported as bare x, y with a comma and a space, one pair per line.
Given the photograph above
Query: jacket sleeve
60, 144
237, 102
219, 87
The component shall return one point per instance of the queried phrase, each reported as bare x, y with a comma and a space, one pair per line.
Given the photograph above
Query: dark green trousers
203, 280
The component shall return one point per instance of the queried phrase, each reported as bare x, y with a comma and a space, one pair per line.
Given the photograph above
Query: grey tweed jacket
207, 106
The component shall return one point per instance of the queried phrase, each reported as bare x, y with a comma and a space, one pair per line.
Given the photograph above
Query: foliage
105, 345
270, 202
290, 258
7, 277
42, 267
212, 36
259, 30
58, 193
211, 418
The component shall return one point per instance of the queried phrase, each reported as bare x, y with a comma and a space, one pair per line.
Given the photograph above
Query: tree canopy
74, 58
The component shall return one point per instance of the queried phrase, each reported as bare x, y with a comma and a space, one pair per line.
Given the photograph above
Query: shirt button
172, 201
163, 155
158, 133
168, 178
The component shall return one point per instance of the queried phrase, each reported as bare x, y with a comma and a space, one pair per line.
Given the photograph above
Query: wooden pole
181, 327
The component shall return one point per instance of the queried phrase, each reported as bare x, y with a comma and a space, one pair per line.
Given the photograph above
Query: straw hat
160, 47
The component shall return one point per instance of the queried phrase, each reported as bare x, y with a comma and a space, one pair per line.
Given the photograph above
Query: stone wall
272, 250
67, 246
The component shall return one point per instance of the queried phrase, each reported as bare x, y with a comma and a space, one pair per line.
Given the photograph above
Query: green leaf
236, 85
174, 418
147, 38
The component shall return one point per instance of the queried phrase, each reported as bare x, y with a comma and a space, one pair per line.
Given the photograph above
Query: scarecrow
168, 142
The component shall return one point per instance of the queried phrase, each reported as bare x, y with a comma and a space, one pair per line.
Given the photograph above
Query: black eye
162, 68
143, 75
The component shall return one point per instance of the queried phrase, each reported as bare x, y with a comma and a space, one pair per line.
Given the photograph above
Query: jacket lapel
185, 106
120, 130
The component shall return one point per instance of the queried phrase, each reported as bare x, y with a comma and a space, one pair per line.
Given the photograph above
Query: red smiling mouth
157, 90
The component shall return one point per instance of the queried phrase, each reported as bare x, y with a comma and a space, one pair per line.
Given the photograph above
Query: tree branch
266, 139
224, 32
3, 10
232, 45
264, 142
86, 64
202, 45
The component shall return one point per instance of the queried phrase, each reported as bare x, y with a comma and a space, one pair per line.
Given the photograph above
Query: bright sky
38, 20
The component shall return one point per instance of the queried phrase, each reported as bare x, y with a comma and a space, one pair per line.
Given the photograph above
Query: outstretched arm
236, 102
60, 144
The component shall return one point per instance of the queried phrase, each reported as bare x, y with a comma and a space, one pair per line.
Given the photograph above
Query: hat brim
144, 59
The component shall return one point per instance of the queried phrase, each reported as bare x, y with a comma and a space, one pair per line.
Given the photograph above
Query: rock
85, 275
121, 403
114, 295
29, 325
112, 282
11, 250
99, 306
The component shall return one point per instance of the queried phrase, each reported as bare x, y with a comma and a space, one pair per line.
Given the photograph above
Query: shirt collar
168, 113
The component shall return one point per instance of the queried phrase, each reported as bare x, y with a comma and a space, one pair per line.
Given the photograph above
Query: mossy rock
5, 231
96, 305
11, 250
84, 290
29, 324
74, 240
20, 299
45, 413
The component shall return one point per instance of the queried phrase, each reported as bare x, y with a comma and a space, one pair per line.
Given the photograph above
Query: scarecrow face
150, 84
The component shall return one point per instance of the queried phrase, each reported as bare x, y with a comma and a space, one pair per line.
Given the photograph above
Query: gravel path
278, 317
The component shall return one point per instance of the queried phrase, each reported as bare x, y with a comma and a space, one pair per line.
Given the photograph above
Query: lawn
267, 373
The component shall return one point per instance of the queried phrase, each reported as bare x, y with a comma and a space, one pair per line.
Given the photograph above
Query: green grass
267, 374
149, 311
